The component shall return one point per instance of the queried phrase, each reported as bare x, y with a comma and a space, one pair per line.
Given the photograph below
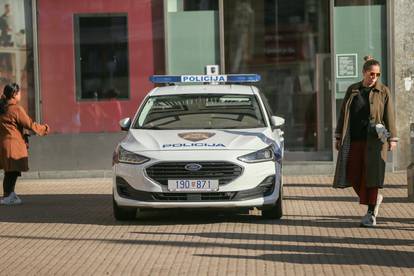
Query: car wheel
275, 211
123, 213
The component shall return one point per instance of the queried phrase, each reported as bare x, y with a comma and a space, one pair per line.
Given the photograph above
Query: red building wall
59, 107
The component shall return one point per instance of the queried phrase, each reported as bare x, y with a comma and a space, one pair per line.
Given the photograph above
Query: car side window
269, 111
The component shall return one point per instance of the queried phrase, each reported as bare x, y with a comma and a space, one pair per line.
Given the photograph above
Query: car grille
193, 196
225, 172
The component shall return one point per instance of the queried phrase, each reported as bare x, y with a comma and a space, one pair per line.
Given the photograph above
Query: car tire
275, 211
123, 213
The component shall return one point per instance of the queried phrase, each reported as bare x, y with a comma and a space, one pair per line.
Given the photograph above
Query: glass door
359, 29
192, 35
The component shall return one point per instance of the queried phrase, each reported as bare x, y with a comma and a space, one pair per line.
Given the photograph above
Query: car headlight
262, 155
124, 156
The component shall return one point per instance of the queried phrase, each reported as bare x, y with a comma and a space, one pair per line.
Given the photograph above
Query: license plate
193, 185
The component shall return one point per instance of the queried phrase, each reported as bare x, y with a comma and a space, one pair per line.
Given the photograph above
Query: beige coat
381, 111
13, 149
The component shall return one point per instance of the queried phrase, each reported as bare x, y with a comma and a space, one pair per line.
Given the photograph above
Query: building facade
84, 65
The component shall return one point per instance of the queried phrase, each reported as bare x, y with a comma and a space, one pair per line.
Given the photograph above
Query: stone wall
68, 152
403, 49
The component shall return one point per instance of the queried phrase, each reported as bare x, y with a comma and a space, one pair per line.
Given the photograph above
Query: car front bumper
256, 202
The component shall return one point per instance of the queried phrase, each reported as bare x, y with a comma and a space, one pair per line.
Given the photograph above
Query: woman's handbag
26, 135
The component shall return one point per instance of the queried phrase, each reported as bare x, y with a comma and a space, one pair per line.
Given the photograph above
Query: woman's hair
8, 92
369, 62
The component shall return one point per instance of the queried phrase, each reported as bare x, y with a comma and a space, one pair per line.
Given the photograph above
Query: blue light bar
164, 79
240, 78
243, 78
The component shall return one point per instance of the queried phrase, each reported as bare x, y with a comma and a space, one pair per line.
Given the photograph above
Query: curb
67, 174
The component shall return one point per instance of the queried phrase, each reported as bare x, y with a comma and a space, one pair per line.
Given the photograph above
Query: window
288, 44
16, 50
101, 52
192, 29
366, 34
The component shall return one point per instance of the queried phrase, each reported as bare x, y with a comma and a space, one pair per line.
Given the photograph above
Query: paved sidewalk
66, 227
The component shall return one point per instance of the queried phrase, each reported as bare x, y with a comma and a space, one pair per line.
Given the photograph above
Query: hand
392, 145
338, 144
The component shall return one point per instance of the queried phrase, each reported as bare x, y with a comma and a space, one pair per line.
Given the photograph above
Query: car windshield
200, 111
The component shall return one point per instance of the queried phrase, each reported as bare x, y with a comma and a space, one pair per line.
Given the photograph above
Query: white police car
200, 146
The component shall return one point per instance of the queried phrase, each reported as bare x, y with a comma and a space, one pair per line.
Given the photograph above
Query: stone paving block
65, 226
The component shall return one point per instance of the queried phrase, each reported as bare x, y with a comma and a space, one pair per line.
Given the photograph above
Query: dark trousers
357, 174
9, 182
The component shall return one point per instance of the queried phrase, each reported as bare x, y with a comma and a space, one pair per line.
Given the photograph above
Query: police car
214, 144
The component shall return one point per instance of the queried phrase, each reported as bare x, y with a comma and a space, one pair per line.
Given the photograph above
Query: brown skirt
356, 173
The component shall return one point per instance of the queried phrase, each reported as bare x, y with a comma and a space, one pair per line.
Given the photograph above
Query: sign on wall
346, 65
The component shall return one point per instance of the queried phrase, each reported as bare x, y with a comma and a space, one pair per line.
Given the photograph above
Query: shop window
288, 44
101, 52
16, 50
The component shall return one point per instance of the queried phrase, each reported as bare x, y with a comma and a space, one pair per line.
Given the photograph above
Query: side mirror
125, 123
277, 121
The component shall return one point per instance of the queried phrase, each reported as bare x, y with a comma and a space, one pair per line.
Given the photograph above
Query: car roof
205, 89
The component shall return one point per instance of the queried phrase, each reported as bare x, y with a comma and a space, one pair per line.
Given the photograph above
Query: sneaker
378, 203
16, 197
12, 199
368, 220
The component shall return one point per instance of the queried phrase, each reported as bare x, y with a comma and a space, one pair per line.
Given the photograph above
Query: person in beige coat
13, 146
365, 132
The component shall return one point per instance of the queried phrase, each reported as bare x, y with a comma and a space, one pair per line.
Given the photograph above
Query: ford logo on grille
193, 167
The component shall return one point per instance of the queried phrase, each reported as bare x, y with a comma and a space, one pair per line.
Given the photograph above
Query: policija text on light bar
205, 78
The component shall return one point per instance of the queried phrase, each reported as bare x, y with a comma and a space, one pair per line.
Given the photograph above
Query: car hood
139, 140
